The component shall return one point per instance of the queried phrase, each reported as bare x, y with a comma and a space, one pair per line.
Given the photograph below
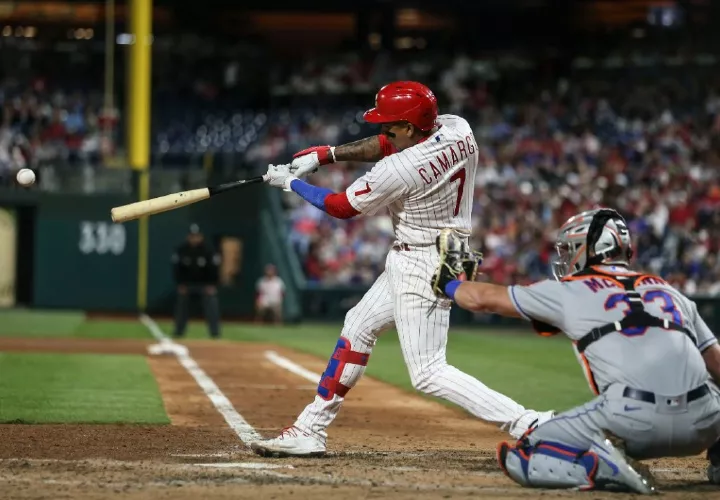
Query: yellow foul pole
138, 125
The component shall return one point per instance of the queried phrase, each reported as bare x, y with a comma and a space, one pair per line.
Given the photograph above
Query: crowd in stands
645, 143
636, 133
42, 126
53, 102
51, 105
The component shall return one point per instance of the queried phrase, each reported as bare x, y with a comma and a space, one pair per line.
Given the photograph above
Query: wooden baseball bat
172, 201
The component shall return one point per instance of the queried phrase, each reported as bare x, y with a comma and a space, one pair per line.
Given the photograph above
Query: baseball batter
646, 352
424, 177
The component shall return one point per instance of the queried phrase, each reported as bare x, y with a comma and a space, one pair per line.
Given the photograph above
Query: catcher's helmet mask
590, 238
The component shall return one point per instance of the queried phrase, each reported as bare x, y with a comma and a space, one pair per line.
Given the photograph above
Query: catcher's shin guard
332, 381
548, 465
555, 465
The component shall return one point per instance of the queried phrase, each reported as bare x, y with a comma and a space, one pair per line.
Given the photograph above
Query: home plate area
385, 443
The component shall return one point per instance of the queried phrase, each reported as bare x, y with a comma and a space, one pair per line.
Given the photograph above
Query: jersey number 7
616, 299
459, 175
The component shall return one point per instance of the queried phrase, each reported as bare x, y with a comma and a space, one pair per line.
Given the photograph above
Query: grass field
538, 372
75, 388
391, 441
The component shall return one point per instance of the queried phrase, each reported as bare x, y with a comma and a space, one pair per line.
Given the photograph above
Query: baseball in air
25, 177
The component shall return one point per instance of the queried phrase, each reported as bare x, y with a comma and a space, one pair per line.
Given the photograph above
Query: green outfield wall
81, 259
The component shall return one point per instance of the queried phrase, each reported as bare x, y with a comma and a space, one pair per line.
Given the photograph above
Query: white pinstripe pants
402, 296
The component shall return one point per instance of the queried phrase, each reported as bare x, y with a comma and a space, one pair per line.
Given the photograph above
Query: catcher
647, 354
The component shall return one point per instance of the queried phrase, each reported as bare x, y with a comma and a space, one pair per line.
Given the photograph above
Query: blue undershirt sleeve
312, 194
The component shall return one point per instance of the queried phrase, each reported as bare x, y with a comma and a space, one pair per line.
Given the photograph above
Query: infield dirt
386, 443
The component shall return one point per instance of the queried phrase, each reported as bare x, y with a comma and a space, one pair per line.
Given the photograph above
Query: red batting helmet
404, 101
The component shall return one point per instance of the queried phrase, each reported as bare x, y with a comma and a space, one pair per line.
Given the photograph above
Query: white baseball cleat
544, 416
292, 442
529, 420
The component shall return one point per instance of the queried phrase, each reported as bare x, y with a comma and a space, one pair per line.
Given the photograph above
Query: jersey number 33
622, 299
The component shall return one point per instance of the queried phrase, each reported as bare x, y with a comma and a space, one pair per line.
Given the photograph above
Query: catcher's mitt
457, 261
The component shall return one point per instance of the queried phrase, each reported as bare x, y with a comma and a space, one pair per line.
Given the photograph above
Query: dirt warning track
386, 443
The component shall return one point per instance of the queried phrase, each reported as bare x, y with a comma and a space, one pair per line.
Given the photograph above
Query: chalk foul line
292, 367
222, 404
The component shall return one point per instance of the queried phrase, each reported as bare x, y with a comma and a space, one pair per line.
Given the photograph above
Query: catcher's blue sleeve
451, 288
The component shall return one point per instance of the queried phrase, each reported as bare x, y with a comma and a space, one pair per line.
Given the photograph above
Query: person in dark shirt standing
196, 267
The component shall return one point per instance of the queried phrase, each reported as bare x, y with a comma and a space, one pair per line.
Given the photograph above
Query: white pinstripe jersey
426, 187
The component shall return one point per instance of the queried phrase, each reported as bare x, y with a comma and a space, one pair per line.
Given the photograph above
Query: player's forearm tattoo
367, 149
